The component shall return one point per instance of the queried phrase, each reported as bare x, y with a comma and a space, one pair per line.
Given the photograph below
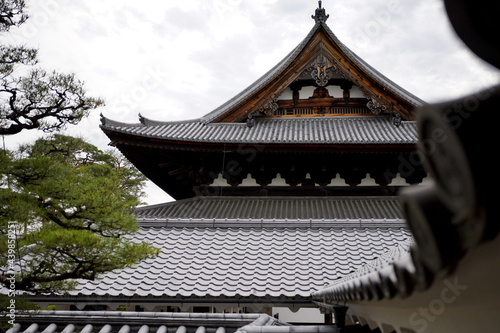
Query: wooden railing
322, 106
333, 110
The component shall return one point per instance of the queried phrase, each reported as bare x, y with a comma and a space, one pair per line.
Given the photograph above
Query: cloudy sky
173, 60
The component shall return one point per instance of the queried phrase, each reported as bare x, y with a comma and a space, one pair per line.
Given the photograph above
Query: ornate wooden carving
320, 15
376, 105
320, 92
320, 71
322, 106
293, 174
269, 107
324, 62
263, 173
323, 173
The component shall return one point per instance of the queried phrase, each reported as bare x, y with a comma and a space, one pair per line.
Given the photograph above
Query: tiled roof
314, 130
273, 209
393, 273
254, 247
320, 130
372, 72
151, 322
393, 292
245, 262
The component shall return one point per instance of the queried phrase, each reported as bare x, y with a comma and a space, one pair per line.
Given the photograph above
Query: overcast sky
174, 60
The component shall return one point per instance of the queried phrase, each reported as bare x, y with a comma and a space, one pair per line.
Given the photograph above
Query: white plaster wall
356, 92
287, 94
303, 315
335, 91
337, 181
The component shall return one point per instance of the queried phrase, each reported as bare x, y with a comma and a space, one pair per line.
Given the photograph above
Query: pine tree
30, 96
67, 208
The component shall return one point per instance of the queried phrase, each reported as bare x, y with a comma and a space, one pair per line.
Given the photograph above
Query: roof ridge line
267, 223
390, 82
106, 122
144, 122
260, 81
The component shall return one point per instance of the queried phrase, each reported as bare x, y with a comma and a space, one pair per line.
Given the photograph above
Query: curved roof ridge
143, 122
260, 81
273, 72
107, 123
395, 88
371, 273
152, 122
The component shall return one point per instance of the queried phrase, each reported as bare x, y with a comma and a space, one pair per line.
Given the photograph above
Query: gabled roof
182, 157
321, 42
320, 48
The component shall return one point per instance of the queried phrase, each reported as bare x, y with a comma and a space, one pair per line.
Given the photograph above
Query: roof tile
253, 209
343, 130
247, 262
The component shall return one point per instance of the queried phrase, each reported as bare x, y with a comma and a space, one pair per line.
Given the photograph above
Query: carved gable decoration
321, 70
321, 63
325, 68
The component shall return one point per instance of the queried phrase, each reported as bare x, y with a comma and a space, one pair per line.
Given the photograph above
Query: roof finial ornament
320, 14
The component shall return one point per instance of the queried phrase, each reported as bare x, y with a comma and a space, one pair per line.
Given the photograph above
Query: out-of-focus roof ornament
320, 14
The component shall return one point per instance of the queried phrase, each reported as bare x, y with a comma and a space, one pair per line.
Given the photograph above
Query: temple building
287, 200
301, 205
322, 122
282, 190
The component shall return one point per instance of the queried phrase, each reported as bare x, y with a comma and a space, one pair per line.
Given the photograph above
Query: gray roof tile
362, 283
292, 259
246, 262
336, 130
292, 210
144, 322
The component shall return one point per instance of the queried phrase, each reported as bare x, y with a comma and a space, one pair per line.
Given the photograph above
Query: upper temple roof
310, 130
321, 62
320, 97
320, 51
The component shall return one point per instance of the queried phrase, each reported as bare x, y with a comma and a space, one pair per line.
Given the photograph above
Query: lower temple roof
274, 208
243, 259
245, 262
